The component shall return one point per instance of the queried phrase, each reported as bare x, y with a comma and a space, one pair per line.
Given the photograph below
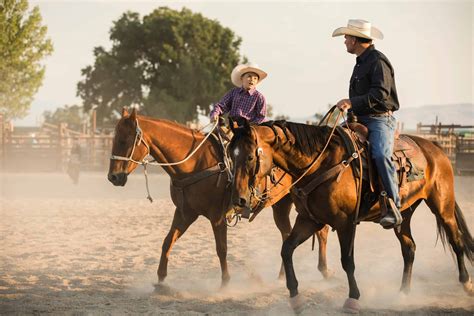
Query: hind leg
443, 207
220, 235
178, 227
408, 246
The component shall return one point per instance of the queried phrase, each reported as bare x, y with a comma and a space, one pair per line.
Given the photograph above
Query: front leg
303, 229
178, 227
220, 235
347, 259
281, 216
322, 259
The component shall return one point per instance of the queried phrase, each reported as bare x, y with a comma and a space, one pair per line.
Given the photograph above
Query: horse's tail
466, 237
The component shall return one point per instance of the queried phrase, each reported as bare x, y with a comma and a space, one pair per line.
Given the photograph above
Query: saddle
407, 157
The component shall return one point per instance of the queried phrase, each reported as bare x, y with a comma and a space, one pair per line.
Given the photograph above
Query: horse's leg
220, 235
178, 227
302, 230
322, 262
281, 216
345, 236
443, 205
407, 245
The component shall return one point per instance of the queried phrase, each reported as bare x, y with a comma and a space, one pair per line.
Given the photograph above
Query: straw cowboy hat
240, 70
359, 28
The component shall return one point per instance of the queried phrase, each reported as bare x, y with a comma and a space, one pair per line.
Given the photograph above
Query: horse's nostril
242, 202
112, 177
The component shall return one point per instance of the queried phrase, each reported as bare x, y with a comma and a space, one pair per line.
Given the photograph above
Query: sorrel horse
293, 147
199, 185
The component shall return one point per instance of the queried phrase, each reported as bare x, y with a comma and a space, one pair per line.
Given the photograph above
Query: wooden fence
52, 147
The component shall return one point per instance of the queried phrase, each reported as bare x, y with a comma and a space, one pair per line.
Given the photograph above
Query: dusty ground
94, 249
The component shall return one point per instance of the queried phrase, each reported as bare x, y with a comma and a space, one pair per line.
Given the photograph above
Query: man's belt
388, 113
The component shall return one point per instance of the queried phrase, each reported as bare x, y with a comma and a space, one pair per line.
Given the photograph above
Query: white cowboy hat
240, 70
359, 28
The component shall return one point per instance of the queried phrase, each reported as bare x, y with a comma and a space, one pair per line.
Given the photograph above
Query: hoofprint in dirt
94, 248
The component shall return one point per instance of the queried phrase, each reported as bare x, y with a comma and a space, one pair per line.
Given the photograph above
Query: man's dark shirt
372, 87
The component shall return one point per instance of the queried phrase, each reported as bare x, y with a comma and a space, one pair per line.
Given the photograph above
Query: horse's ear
232, 124
133, 115
124, 112
246, 124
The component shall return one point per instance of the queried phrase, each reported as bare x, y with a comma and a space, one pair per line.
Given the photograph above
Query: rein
328, 115
144, 162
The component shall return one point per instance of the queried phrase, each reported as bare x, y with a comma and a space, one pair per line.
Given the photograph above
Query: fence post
61, 135
2, 138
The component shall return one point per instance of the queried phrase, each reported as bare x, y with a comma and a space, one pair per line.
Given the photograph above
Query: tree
167, 63
72, 115
23, 45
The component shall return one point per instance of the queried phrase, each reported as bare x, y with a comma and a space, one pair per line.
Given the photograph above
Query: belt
388, 113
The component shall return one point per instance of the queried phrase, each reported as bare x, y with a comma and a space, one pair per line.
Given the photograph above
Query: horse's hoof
163, 289
224, 283
327, 274
297, 303
351, 306
468, 288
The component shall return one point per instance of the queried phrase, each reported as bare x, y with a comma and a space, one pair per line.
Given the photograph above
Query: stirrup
393, 218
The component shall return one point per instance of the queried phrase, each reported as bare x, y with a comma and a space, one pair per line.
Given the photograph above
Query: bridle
263, 196
138, 139
144, 162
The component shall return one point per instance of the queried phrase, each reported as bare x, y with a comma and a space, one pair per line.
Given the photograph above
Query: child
244, 101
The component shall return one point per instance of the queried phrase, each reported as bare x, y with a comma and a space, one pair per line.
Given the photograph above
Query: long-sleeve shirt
239, 102
372, 87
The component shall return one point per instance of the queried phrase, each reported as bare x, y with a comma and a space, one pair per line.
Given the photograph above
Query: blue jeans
381, 138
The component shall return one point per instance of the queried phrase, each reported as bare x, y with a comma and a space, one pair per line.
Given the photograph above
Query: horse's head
252, 161
129, 148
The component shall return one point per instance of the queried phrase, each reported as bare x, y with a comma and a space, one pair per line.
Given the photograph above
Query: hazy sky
430, 45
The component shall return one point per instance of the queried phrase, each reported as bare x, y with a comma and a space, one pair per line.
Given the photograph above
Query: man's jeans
381, 138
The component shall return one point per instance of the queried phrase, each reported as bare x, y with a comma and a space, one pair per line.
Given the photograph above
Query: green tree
23, 45
72, 115
168, 63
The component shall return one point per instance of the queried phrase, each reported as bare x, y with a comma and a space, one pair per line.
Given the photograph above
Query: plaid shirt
239, 102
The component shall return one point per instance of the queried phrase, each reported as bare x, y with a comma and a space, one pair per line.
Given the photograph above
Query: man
373, 99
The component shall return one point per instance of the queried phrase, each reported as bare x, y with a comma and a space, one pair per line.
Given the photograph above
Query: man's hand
344, 104
214, 118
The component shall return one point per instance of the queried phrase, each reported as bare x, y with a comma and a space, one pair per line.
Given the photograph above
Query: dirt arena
93, 248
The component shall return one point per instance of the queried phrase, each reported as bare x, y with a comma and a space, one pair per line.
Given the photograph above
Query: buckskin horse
308, 153
199, 184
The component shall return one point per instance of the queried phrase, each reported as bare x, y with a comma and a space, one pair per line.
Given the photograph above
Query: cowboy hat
240, 70
359, 28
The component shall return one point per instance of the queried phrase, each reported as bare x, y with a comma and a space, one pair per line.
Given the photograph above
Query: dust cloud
94, 248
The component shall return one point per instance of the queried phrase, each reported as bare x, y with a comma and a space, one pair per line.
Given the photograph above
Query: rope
190, 155
146, 182
328, 115
144, 162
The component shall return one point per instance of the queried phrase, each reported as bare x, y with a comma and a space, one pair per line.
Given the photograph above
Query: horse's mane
309, 139
174, 123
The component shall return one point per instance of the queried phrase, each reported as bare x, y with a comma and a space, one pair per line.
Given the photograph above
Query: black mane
309, 139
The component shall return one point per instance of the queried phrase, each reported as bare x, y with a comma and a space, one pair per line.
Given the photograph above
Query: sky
430, 45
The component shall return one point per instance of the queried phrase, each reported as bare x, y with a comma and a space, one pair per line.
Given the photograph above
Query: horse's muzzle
117, 179
240, 202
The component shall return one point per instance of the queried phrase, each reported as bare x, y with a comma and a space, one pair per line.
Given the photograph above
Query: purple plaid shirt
242, 103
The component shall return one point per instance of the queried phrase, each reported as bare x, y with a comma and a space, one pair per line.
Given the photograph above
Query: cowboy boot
392, 217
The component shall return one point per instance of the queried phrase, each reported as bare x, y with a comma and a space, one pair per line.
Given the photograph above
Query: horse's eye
250, 158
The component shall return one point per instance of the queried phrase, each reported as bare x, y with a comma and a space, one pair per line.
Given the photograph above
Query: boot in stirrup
393, 217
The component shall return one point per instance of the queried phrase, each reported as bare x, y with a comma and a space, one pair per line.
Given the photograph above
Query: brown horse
199, 186
293, 147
